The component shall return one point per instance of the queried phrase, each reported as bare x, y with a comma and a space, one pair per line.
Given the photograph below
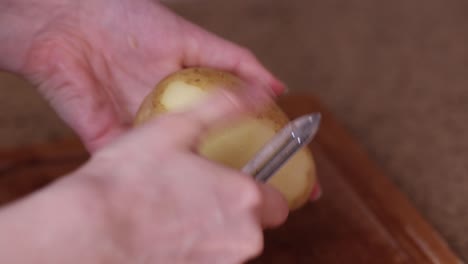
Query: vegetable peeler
290, 139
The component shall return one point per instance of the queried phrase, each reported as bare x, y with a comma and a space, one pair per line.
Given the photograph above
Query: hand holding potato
237, 143
146, 195
95, 60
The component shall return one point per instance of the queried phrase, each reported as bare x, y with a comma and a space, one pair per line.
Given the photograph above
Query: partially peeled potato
235, 144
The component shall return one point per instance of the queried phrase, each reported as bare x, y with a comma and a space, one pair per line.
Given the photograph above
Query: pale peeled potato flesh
236, 144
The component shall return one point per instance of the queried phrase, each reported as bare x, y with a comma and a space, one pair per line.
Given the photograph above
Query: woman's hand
95, 60
148, 198
176, 207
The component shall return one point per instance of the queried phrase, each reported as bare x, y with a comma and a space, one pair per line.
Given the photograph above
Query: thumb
218, 109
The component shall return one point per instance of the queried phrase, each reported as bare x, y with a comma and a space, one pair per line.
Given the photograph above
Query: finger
275, 210
207, 50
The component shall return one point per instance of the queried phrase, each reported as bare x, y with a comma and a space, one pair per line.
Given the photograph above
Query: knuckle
251, 239
255, 244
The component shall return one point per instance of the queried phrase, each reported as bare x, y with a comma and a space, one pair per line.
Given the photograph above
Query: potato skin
209, 80
205, 78
201, 77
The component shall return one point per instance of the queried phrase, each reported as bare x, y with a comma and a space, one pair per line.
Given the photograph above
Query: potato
233, 145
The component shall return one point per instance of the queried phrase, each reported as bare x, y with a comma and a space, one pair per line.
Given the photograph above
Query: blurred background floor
394, 72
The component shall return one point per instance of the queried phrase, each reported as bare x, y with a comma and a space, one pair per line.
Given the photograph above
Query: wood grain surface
361, 218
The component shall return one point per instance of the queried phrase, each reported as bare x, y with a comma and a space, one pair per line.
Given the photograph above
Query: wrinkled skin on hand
95, 60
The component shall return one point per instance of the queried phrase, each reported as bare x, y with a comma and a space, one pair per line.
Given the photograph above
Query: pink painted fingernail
278, 87
316, 192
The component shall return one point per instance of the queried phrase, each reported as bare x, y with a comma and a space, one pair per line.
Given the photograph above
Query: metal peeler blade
294, 136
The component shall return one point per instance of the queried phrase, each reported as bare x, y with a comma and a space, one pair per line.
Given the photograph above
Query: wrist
117, 208
92, 218
63, 223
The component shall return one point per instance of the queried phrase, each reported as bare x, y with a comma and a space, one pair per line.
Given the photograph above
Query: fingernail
316, 192
279, 87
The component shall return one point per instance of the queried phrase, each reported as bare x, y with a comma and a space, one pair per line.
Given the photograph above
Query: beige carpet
394, 72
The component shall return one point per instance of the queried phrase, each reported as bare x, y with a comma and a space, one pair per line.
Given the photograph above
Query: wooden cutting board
361, 217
